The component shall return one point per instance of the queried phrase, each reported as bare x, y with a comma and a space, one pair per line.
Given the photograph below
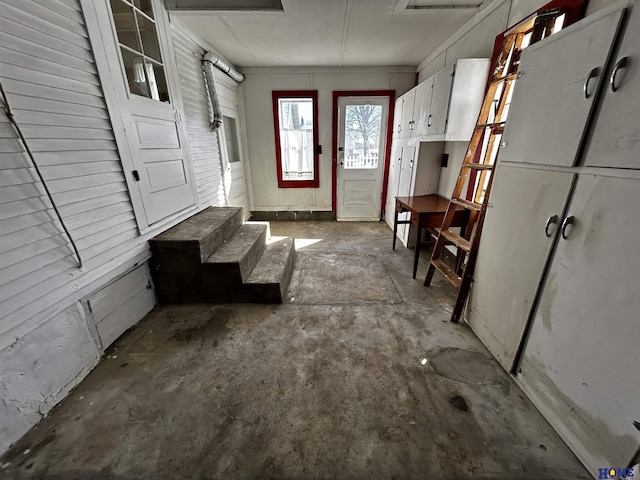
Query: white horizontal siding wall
205, 147
49, 74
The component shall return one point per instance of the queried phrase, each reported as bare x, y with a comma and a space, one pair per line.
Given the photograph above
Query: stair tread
467, 204
236, 247
272, 266
198, 226
444, 269
456, 239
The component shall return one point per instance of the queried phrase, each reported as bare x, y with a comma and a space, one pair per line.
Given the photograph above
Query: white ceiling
330, 32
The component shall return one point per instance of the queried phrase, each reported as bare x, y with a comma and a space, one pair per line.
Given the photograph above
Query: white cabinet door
616, 137
395, 163
397, 118
581, 362
550, 108
512, 254
407, 113
437, 119
405, 188
421, 108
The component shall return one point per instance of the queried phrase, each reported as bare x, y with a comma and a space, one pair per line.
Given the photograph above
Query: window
295, 118
231, 139
139, 47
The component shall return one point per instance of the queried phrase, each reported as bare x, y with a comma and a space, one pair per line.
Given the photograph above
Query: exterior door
362, 135
139, 71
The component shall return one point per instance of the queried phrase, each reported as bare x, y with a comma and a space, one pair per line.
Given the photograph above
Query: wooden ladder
476, 174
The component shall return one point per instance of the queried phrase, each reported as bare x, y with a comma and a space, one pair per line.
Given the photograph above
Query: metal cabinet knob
552, 220
593, 73
565, 223
622, 63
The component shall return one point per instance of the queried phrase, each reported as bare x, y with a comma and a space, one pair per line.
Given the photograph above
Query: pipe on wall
210, 61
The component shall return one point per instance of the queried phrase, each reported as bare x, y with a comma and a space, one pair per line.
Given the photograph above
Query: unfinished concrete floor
359, 375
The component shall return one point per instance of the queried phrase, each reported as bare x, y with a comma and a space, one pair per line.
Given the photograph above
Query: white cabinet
445, 106
564, 308
397, 118
412, 171
513, 251
581, 362
555, 93
616, 136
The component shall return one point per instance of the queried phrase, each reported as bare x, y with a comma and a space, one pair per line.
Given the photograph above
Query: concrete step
232, 263
270, 279
200, 235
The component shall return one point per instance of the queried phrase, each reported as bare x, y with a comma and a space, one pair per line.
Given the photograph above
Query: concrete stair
214, 257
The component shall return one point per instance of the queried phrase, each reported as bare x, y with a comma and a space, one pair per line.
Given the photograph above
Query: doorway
361, 153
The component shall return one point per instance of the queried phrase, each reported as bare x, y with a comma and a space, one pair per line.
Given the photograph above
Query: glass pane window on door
231, 139
140, 49
362, 136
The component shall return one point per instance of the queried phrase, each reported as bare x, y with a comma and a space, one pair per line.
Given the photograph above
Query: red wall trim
334, 139
275, 96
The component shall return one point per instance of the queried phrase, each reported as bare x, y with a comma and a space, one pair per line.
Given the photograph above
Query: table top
426, 203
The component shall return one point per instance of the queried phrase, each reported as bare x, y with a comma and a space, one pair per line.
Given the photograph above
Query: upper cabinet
616, 135
444, 107
555, 93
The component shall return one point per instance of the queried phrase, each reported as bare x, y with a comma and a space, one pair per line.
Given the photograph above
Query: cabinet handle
429, 120
400, 161
552, 220
612, 81
594, 72
565, 223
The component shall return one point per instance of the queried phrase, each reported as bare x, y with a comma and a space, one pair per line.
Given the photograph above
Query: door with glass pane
362, 135
141, 69
235, 184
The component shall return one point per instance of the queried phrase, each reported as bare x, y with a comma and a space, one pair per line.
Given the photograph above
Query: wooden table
427, 212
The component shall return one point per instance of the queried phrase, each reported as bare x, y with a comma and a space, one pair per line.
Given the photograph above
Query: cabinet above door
559, 78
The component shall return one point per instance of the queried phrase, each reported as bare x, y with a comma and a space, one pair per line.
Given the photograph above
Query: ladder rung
456, 239
506, 78
450, 275
492, 125
477, 166
467, 204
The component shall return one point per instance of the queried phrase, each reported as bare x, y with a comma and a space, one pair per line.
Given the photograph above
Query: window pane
231, 139
145, 6
362, 136
134, 66
296, 138
158, 82
125, 24
149, 37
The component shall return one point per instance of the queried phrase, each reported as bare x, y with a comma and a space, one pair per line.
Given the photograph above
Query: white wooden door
553, 99
405, 188
140, 72
616, 135
362, 145
395, 163
513, 252
581, 362
421, 107
439, 109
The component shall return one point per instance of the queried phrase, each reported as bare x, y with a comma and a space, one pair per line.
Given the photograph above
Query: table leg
395, 228
416, 253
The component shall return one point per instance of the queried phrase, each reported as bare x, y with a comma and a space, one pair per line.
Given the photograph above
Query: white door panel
439, 109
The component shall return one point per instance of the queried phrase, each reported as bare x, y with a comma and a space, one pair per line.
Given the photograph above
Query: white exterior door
362, 134
137, 67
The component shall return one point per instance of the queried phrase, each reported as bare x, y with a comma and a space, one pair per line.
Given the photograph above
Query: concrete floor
359, 375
